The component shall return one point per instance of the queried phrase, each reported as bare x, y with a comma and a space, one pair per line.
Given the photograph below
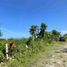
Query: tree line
39, 32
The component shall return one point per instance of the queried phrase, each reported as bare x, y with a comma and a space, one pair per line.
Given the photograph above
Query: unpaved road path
56, 58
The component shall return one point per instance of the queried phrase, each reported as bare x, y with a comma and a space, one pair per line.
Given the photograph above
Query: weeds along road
57, 57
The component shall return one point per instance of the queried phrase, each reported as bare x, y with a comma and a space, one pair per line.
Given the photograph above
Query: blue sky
16, 16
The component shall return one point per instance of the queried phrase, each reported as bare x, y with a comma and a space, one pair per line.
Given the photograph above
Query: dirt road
56, 58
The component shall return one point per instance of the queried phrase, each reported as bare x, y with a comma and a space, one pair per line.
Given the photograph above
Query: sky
16, 16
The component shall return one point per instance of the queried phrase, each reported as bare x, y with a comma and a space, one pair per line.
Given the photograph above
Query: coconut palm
42, 29
33, 31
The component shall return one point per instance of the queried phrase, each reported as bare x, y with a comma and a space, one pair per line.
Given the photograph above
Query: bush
14, 63
1, 56
62, 39
2, 47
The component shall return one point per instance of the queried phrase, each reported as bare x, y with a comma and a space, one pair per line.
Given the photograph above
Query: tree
33, 31
65, 36
48, 37
42, 29
0, 33
62, 38
55, 35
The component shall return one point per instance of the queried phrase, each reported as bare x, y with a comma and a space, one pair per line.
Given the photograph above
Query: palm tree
42, 29
33, 31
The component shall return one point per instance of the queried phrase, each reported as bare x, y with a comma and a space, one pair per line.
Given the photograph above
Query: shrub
14, 63
1, 56
62, 39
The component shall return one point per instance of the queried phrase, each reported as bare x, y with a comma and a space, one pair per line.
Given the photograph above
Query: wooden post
26, 46
7, 52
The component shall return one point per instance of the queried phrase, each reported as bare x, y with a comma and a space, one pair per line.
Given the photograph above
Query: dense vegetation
39, 41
